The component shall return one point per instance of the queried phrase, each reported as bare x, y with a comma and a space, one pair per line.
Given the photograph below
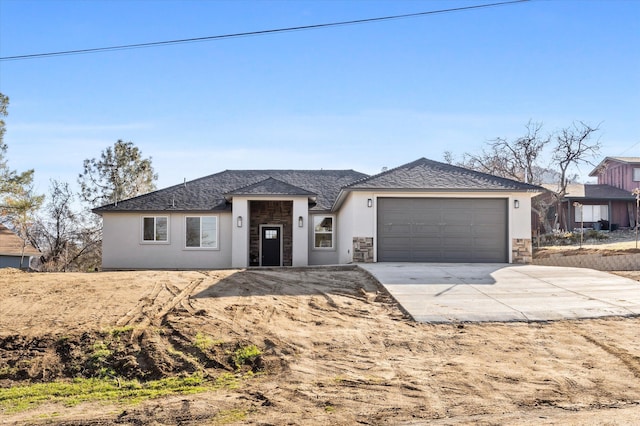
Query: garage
472, 230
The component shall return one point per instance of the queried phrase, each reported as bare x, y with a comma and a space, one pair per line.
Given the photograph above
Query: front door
271, 237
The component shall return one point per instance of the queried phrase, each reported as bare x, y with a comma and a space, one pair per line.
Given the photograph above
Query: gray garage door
442, 230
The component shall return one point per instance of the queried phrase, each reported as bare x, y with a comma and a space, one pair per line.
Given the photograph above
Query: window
591, 213
323, 231
155, 229
201, 232
636, 174
270, 234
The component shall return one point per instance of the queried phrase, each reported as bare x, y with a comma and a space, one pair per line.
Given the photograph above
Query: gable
604, 164
11, 244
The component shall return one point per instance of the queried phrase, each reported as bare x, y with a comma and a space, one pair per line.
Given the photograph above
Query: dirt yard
334, 349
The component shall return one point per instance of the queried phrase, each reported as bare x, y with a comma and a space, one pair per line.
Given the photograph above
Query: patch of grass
205, 342
20, 398
226, 381
100, 352
226, 417
245, 354
7, 371
117, 331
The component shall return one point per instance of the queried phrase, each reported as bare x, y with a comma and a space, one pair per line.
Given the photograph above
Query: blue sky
359, 97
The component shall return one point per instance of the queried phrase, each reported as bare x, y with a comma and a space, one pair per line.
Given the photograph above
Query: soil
336, 349
613, 243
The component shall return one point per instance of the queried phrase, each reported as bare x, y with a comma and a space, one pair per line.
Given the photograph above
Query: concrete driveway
446, 292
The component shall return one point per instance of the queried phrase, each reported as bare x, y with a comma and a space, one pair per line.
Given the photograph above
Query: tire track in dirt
133, 315
151, 310
630, 361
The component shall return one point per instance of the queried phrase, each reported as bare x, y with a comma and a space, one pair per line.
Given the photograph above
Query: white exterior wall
300, 235
240, 236
122, 246
355, 219
520, 218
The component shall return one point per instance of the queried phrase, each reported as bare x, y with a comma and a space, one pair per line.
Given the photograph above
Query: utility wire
254, 33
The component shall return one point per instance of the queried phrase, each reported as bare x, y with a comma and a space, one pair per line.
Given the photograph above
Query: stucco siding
122, 246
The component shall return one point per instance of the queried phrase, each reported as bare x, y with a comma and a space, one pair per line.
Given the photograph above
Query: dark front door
271, 246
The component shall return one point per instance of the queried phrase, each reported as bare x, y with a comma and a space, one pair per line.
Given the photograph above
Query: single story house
14, 253
423, 211
598, 206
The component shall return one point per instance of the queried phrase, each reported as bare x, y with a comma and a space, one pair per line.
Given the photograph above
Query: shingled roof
424, 174
593, 192
208, 193
270, 186
11, 244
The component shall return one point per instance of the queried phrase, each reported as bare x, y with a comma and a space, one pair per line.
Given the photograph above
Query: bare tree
516, 159
573, 147
67, 238
519, 159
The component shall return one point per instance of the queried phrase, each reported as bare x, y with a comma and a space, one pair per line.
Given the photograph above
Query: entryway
270, 245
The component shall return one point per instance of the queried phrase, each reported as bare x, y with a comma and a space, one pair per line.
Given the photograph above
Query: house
11, 250
597, 206
423, 211
622, 173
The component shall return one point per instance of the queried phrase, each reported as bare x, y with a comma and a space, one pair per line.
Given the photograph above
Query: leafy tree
18, 202
118, 174
11, 182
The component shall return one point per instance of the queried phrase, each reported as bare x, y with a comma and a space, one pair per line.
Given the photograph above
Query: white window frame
588, 213
217, 232
332, 233
636, 174
155, 230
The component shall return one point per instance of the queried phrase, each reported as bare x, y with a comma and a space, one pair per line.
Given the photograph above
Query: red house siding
619, 175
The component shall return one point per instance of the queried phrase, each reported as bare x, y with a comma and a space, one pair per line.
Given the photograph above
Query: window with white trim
155, 229
323, 232
201, 232
636, 174
592, 213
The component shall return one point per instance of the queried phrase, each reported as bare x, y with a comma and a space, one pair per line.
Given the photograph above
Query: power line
253, 33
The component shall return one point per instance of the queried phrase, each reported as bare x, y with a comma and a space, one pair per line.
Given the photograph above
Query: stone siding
363, 249
270, 213
618, 262
521, 250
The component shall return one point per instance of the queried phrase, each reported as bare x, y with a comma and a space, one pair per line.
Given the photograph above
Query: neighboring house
11, 250
620, 172
600, 206
623, 173
424, 211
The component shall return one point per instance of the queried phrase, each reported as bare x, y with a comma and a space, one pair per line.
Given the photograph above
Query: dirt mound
544, 253
303, 346
118, 353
